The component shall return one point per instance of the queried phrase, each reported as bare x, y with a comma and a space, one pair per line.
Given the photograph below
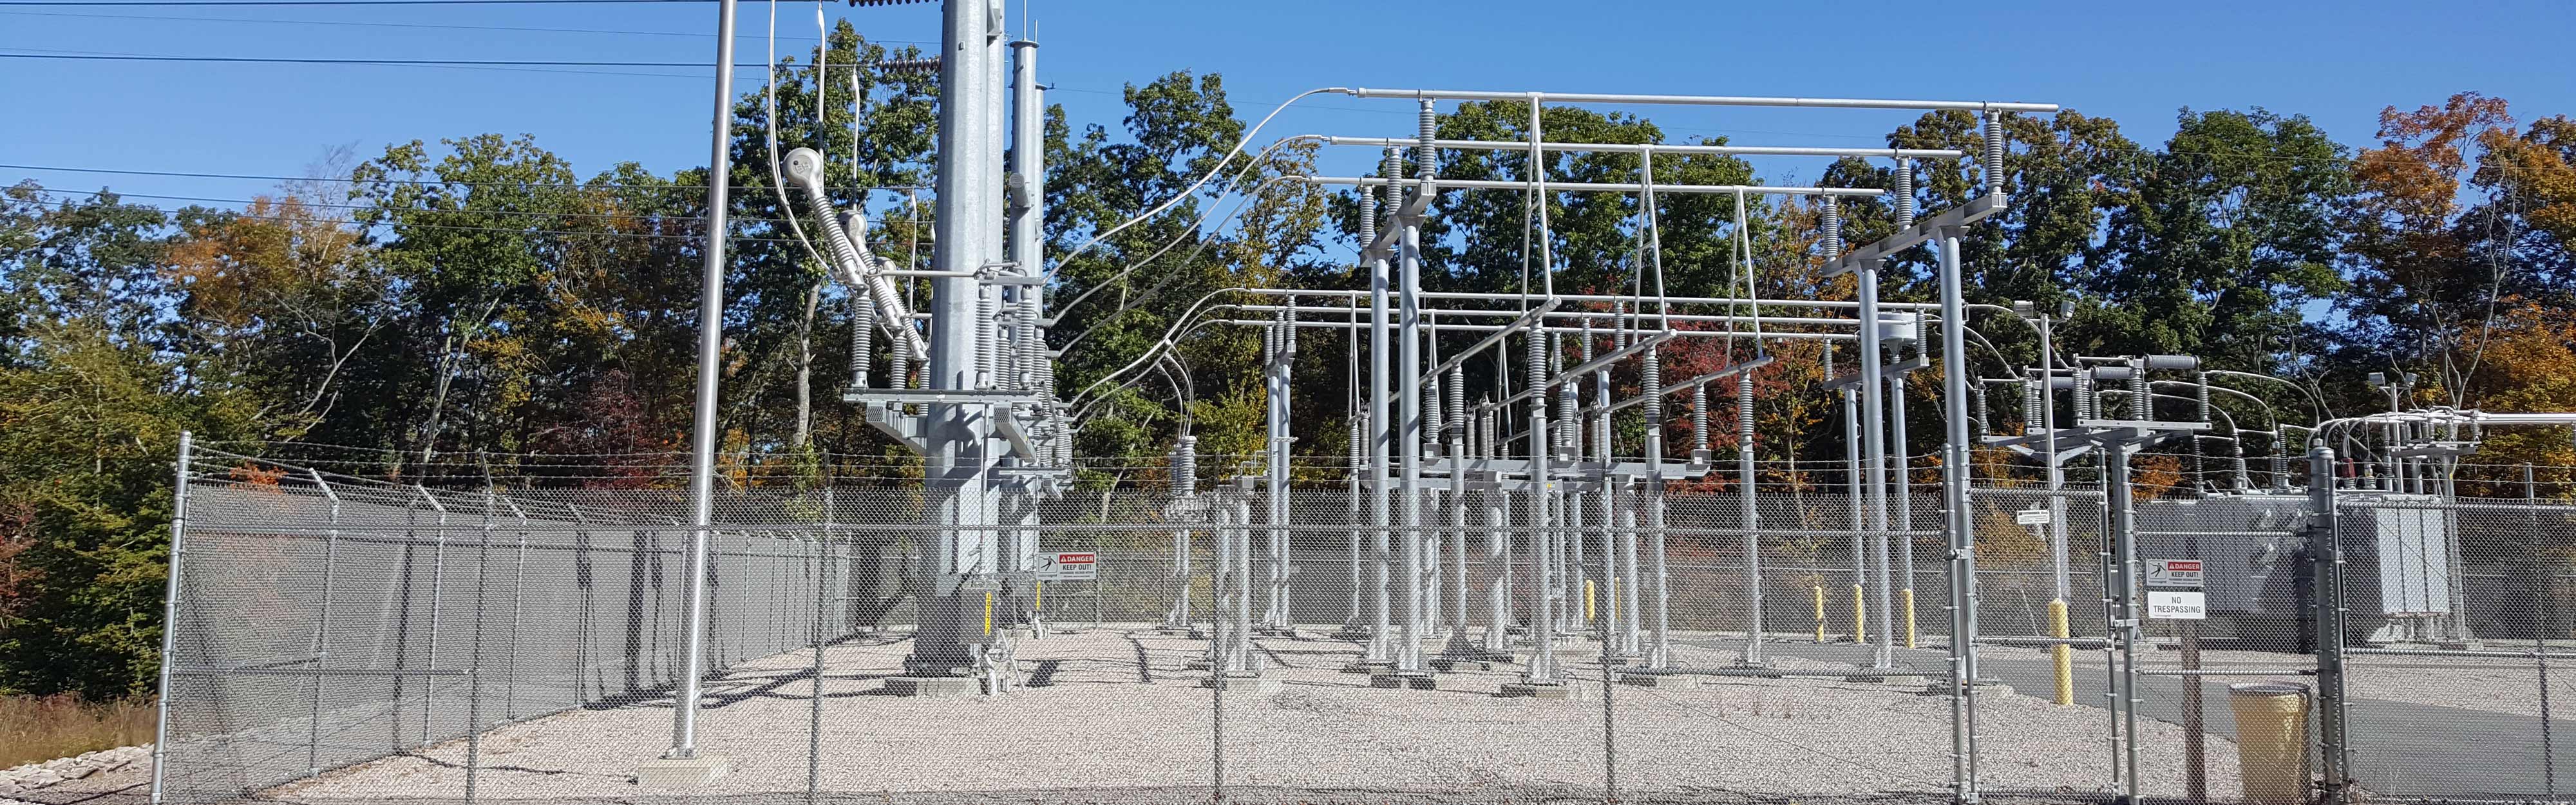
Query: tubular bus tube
1698, 100
1601, 187
1633, 148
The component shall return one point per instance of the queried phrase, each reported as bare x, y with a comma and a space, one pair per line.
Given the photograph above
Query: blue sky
2338, 63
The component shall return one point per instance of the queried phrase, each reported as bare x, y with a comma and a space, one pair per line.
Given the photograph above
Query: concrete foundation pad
936, 687
1368, 667
1258, 686
677, 772
1561, 692
1899, 680
1660, 681
1467, 664
1404, 680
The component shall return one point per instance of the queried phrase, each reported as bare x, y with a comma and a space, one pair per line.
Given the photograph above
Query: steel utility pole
681, 764
957, 437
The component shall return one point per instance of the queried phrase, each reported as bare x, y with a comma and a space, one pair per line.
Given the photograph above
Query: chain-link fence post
170, 613
2325, 545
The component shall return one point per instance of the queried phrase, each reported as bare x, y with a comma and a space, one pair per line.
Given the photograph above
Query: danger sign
1068, 566
2174, 573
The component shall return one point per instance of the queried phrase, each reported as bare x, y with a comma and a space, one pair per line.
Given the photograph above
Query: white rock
39, 778
79, 771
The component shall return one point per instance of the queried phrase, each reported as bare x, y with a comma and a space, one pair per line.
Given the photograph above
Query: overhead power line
217, 3
430, 25
430, 182
419, 62
513, 230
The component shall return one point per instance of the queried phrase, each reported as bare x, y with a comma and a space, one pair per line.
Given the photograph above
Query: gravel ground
1121, 720
2490, 684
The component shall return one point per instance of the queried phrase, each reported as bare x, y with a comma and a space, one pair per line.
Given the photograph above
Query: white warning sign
2174, 573
1068, 566
2177, 605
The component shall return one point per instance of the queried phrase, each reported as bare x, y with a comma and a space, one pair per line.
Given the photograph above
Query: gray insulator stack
1985, 426
1457, 389
1904, 194
1030, 351
1994, 153
986, 314
1565, 404
2034, 400
899, 364
1368, 215
1485, 423
1699, 417
1426, 158
1833, 228
2083, 394
1185, 466
2140, 402
1432, 418
1744, 410
1288, 344
2203, 387
863, 336
1359, 442
1651, 386
1394, 172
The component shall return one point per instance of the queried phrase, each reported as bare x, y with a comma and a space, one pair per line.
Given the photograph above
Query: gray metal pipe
1599, 187
702, 439
1659, 148
1697, 100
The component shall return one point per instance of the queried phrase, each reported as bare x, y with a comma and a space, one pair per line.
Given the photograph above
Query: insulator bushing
2034, 403
1651, 386
1457, 390
1833, 228
1185, 466
1904, 194
863, 335
1994, 152
1394, 172
1426, 157
1368, 215
1744, 408
1699, 417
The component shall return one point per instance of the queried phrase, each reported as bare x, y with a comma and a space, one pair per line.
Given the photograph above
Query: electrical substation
1523, 581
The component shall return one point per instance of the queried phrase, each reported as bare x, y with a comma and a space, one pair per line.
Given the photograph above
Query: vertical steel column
1409, 445
1542, 624
1750, 516
2124, 622
1900, 484
1185, 487
170, 613
1874, 447
1961, 525
817, 565
702, 437
1382, 431
438, 611
1498, 637
1280, 439
1457, 437
958, 437
321, 652
2325, 547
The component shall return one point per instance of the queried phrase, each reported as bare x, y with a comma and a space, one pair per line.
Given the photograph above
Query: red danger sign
2174, 572
1082, 558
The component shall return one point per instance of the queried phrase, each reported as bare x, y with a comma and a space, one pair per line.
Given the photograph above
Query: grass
39, 728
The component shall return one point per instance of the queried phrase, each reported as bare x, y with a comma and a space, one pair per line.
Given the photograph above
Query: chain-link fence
339, 640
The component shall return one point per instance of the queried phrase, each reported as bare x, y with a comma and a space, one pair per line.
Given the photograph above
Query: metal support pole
1900, 474
1381, 441
1751, 514
2325, 545
1961, 525
1874, 445
702, 437
1409, 444
2125, 623
170, 615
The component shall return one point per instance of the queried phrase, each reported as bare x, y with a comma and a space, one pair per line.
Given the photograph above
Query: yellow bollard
1909, 619
1820, 613
1860, 620
2271, 740
2061, 656
988, 613
1588, 613
1037, 601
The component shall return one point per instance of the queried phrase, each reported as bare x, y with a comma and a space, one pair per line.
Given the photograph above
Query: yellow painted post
1909, 619
1820, 613
1860, 620
988, 613
2061, 656
1037, 601
1588, 613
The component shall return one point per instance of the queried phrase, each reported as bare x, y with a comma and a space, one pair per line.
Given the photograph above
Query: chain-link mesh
343, 640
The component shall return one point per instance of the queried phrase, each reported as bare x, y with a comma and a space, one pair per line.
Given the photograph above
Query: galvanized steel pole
702, 447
